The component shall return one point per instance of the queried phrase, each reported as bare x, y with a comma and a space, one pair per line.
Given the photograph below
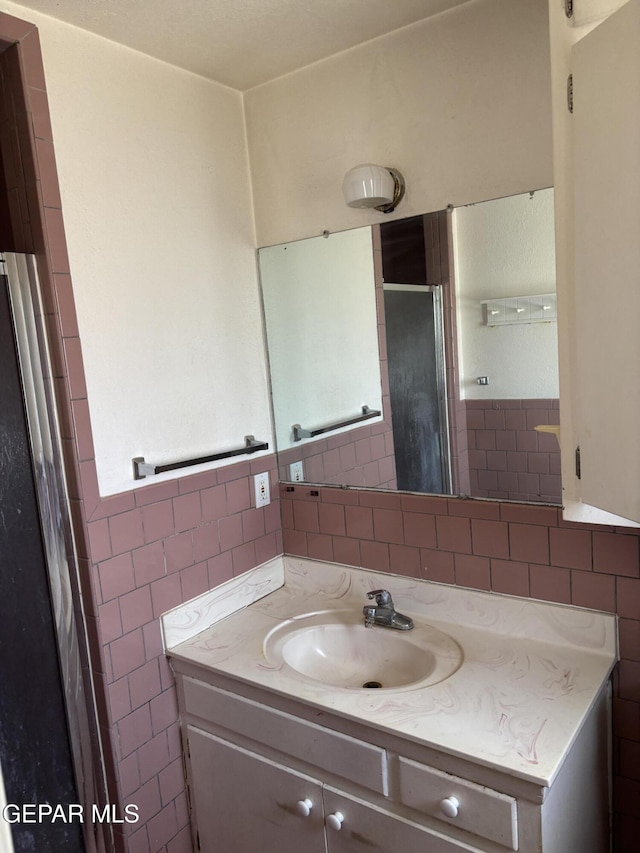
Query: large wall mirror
420, 354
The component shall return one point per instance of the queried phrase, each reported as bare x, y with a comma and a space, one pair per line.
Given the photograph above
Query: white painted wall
505, 248
320, 314
460, 103
157, 205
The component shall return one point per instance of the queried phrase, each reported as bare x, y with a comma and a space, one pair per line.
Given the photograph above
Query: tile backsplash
513, 548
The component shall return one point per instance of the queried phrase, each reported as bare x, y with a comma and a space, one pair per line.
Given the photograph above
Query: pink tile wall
508, 459
511, 548
139, 552
177, 540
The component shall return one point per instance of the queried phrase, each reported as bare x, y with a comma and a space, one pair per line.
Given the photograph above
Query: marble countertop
531, 670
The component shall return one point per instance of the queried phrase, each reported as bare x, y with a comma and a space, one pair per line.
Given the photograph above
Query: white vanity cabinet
270, 774
246, 802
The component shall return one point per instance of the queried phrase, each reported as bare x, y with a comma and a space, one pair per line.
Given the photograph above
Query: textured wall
459, 103
154, 178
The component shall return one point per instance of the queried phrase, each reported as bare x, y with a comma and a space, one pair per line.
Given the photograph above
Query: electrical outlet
296, 472
261, 488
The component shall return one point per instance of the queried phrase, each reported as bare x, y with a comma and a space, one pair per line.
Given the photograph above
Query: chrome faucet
384, 612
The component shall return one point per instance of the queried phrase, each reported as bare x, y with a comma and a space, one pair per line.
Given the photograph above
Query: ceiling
240, 43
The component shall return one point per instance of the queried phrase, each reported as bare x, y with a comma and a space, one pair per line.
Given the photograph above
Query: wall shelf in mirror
520, 309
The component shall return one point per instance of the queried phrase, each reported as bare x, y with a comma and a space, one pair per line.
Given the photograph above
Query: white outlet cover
261, 488
296, 472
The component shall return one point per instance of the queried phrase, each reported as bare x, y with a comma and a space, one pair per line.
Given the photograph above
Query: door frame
34, 365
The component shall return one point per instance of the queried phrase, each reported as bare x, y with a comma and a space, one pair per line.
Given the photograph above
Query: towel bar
142, 469
299, 432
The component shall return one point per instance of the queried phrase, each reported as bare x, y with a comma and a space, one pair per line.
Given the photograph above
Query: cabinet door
364, 828
606, 138
245, 803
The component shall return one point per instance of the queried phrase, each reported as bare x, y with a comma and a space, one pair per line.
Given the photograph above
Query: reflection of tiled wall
363, 456
508, 459
511, 548
139, 552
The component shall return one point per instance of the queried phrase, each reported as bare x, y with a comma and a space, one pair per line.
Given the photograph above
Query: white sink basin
334, 647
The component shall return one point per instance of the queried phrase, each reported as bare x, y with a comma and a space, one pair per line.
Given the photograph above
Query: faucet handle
382, 596
369, 616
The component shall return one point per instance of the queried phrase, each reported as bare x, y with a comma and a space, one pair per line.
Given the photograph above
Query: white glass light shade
368, 185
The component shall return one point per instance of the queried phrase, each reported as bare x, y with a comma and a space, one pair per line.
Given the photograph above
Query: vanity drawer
360, 762
480, 810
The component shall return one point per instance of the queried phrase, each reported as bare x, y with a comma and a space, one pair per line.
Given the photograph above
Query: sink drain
370, 684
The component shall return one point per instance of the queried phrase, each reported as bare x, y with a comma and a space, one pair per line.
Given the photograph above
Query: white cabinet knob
334, 821
303, 807
449, 806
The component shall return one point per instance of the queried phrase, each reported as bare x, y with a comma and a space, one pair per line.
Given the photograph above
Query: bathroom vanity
489, 731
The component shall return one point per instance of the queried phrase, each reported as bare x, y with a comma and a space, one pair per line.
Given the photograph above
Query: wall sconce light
368, 185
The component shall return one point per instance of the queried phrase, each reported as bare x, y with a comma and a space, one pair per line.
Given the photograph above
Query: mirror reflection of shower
393, 318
